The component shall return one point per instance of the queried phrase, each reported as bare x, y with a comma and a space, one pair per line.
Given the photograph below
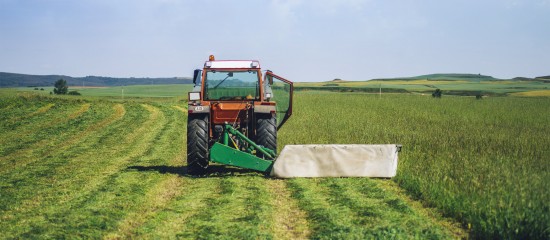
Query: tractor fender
264, 109
199, 109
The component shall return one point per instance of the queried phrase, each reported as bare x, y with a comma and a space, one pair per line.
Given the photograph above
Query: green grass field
91, 167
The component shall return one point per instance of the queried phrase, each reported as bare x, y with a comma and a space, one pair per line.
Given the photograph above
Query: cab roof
232, 64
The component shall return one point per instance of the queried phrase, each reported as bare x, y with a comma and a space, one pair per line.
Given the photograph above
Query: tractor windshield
231, 85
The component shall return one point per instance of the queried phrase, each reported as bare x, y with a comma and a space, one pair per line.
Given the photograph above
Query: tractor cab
235, 95
234, 113
231, 87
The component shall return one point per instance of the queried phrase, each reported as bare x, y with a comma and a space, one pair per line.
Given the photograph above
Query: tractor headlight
193, 96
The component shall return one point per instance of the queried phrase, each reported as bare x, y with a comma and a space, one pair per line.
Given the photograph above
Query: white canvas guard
332, 160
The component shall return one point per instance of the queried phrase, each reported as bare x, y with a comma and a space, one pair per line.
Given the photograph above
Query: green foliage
74, 92
437, 93
60, 87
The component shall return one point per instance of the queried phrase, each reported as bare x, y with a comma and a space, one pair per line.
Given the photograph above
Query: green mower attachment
329, 160
225, 154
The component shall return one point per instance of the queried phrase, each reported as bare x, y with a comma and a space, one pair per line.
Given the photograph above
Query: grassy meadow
91, 167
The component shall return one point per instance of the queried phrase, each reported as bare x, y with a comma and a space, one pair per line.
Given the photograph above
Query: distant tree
35, 88
437, 93
60, 87
74, 92
41, 89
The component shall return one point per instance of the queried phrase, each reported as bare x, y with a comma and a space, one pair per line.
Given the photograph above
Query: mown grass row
119, 174
483, 162
64, 192
349, 208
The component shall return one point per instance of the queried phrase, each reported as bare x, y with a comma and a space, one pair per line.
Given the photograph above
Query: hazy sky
298, 39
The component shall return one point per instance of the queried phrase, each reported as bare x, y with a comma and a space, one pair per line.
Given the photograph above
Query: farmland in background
89, 167
457, 84
143, 91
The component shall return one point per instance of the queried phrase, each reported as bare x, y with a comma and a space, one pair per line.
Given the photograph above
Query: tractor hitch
222, 152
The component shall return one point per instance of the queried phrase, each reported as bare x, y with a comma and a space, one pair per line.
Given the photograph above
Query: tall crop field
92, 168
483, 162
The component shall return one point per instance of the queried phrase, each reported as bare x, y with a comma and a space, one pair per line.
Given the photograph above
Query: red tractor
233, 115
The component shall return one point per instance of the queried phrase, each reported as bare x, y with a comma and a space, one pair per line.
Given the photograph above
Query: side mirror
196, 75
194, 96
230, 74
269, 77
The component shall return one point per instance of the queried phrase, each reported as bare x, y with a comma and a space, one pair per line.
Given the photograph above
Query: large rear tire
266, 133
197, 144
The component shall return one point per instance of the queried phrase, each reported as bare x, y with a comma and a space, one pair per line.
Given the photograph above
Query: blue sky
299, 39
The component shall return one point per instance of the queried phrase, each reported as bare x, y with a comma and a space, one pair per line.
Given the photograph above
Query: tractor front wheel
197, 144
266, 133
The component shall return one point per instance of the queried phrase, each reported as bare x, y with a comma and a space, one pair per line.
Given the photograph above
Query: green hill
445, 77
450, 83
26, 80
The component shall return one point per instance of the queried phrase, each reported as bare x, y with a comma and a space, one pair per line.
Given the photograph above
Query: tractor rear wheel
197, 144
266, 132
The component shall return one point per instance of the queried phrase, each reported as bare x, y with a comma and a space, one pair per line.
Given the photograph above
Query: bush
74, 93
437, 93
60, 87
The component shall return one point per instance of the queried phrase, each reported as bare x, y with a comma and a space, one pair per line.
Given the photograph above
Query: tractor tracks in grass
432, 214
61, 142
234, 206
37, 133
172, 219
168, 186
156, 199
365, 208
21, 119
60, 174
289, 221
116, 197
25, 129
238, 208
37, 112
136, 143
